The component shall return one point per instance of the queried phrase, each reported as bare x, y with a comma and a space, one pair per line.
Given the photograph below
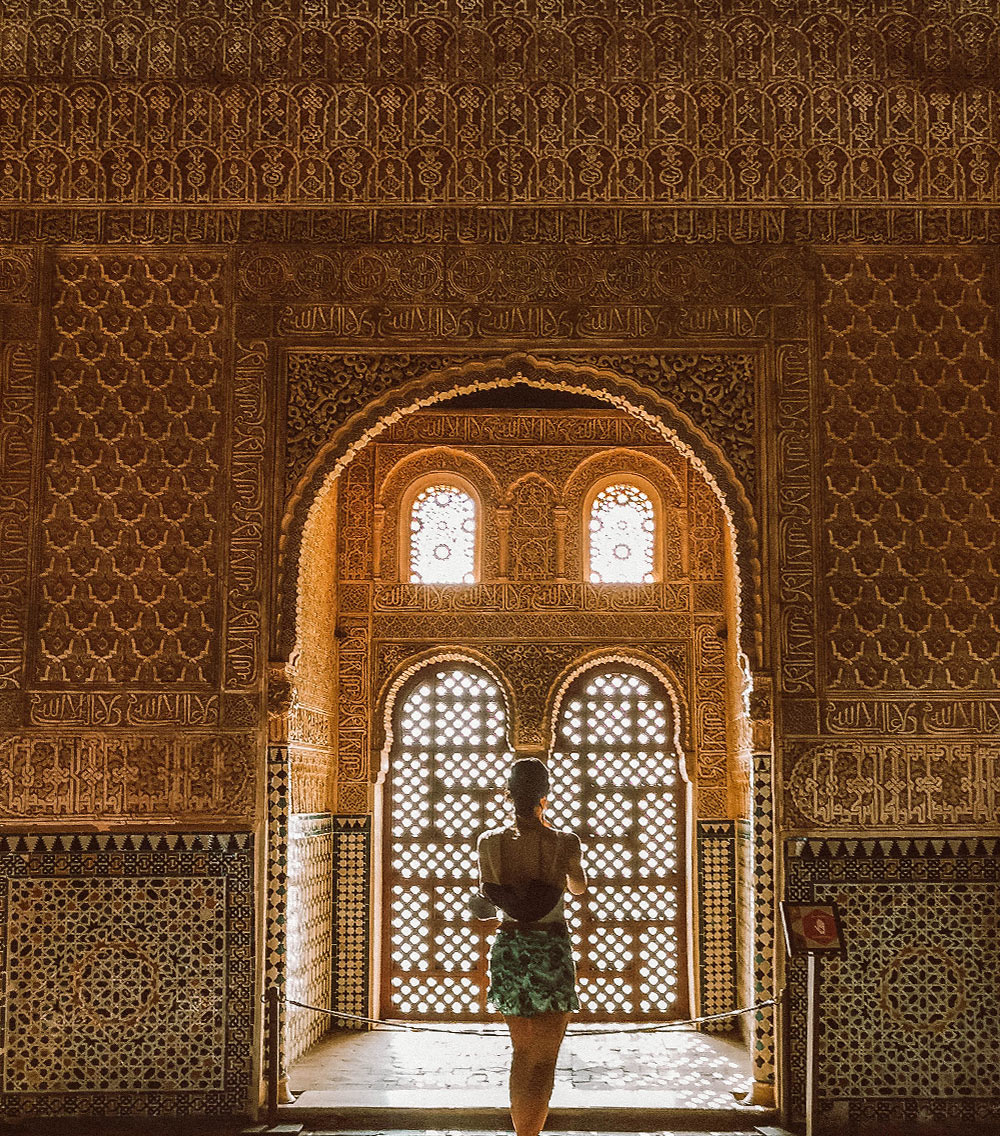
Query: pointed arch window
442, 535
622, 535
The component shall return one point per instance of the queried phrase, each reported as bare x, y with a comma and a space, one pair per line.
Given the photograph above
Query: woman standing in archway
524, 870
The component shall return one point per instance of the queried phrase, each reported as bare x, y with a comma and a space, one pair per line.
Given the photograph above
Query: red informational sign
812, 928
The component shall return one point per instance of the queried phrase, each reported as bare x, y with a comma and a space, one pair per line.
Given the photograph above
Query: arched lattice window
616, 781
442, 537
622, 531
449, 755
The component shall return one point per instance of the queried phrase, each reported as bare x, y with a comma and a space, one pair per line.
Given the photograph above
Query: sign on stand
813, 930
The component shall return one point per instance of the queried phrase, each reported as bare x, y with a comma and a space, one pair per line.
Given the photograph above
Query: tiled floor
688, 1069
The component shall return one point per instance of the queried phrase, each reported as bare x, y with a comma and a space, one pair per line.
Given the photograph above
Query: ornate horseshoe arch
340, 404
359, 427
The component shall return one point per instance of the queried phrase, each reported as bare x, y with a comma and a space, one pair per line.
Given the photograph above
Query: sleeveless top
524, 873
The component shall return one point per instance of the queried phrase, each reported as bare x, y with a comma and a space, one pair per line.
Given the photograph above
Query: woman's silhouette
524, 869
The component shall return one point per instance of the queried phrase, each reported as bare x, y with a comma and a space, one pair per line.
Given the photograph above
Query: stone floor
692, 1069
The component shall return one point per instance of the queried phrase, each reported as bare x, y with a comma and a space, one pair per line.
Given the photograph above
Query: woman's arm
483, 859
576, 875
479, 906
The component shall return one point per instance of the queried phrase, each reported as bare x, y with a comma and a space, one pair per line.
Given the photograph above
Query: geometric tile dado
311, 845
716, 849
903, 1027
352, 929
128, 964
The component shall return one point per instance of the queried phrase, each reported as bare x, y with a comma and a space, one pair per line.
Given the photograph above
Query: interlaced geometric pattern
443, 536
622, 529
616, 782
449, 760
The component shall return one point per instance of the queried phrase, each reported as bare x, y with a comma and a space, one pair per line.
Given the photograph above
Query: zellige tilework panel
128, 967
908, 1028
310, 930
351, 915
717, 919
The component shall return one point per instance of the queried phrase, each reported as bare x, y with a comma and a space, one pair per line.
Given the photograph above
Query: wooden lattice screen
614, 781
450, 755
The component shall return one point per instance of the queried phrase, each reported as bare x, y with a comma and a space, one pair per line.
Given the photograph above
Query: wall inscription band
942, 784
17, 403
919, 716
113, 780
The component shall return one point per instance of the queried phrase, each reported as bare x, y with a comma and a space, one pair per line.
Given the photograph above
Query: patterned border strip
764, 224
226, 842
276, 915
352, 915
762, 1051
884, 848
717, 922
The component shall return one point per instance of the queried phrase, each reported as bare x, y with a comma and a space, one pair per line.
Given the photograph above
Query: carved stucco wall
905, 734
546, 100
312, 716
654, 184
903, 737
133, 606
938, 740
136, 685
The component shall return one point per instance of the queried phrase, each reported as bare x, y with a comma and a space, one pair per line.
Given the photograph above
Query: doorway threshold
454, 1080
626, 1110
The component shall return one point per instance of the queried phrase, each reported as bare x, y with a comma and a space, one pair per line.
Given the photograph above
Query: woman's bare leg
536, 1042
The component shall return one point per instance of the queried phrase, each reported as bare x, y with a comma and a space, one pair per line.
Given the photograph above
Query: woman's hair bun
528, 783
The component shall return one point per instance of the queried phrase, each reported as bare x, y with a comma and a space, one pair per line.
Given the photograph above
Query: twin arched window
616, 781
621, 530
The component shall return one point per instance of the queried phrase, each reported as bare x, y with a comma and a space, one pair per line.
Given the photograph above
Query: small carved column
503, 543
762, 952
378, 526
279, 705
681, 521
560, 515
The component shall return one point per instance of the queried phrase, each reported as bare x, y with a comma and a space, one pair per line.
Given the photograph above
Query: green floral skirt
532, 971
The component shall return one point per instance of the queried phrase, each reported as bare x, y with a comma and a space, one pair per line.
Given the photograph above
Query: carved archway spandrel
426, 389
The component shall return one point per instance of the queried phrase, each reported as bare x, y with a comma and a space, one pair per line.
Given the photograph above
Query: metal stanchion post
810, 1042
273, 1052
812, 929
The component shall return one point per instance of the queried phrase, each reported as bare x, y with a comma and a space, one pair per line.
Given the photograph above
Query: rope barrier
661, 1027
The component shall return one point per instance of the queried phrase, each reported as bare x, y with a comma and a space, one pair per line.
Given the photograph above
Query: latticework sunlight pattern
448, 767
443, 536
622, 530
